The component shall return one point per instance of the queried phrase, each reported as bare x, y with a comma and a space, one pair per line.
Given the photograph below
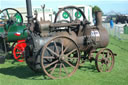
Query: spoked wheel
58, 59
69, 14
104, 60
66, 13
18, 51
11, 15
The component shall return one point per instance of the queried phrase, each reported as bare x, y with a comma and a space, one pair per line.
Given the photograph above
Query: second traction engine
55, 47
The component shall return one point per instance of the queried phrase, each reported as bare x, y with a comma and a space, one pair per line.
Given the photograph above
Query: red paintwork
18, 51
17, 34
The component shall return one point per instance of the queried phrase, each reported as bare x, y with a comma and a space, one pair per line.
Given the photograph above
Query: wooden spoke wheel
58, 59
18, 51
104, 60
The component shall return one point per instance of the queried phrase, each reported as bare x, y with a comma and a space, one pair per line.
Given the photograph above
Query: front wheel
18, 51
104, 60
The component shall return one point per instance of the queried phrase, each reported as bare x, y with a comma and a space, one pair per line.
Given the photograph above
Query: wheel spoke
62, 52
71, 58
66, 49
107, 68
62, 46
18, 57
103, 55
52, 51
69, 63
102, 66
8, 14
56, 48
60, 69
18, 48
49, 57
108, 54
51, 64
53, 69
65, 69
71, 52
18, 52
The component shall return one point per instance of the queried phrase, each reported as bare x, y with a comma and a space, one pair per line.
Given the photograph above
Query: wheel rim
62, 61
104, 60
7, 13
18, 51
65, 10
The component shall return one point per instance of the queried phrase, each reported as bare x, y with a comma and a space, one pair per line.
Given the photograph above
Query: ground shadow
90, 68
23, 72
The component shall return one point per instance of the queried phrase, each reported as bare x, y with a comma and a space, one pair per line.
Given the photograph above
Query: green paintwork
78, 15
11, 30
7, 14
65, 15
18, 18
1, 30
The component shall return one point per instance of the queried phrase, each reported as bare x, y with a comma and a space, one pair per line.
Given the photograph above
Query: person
111, 23
1, 23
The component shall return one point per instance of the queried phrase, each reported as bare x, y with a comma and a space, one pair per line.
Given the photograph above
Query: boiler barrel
14, 32
98, 38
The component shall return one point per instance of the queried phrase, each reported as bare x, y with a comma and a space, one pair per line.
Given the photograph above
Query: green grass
20, 74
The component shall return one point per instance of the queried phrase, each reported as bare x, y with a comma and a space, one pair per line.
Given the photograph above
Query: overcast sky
106, 5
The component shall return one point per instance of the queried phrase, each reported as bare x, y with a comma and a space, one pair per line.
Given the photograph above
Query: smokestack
29, 10
43, 11
98, 16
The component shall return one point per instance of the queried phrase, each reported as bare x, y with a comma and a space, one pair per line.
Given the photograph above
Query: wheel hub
61, 58
104, 60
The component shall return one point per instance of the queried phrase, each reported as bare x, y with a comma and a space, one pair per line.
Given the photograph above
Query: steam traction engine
59, 48
12, 34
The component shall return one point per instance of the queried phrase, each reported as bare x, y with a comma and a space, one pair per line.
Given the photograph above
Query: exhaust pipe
98, 16
43, 7
29, 11
104, 36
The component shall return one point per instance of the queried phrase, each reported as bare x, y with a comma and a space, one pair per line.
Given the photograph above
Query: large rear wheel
58, 59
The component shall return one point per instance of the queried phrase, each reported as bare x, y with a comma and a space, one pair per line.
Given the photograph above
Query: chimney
98, 16
29, 11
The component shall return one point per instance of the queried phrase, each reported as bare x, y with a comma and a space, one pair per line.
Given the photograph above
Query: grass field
20, 74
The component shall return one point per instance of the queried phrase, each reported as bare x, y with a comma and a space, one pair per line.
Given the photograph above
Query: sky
119, 6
